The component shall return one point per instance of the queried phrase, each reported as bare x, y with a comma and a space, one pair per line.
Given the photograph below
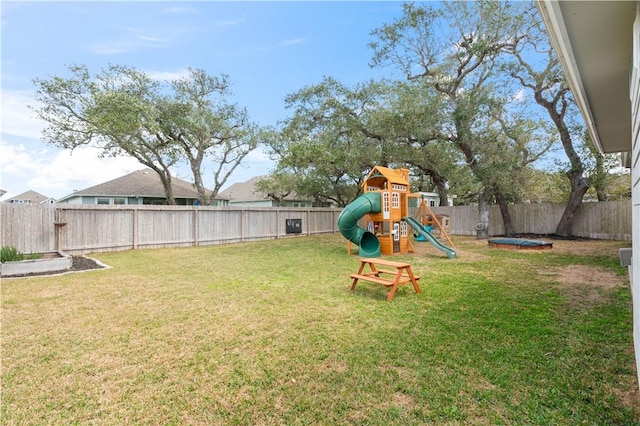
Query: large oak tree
453, 48
124, 111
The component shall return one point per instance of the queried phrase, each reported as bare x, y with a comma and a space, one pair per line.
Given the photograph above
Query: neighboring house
598, 44
140, 187
245, 194
30, 197
433, 199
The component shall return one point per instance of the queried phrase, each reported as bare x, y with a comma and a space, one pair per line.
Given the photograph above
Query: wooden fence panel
96, 228
462, 218
603, 220
162, 227
217, 226
29, 228
607, 221
260, 224
323, 221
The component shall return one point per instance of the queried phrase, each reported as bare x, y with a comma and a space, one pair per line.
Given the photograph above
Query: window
104, 200
403, 229
119, 201
385, 205
395, 200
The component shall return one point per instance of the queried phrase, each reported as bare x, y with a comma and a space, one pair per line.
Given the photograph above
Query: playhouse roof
400, 176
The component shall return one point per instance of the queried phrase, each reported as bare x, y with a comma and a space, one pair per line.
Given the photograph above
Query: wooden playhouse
388, 225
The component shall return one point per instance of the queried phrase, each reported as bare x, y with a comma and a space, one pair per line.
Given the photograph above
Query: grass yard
268, 333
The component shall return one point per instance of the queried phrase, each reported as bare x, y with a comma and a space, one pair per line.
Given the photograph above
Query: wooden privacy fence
609, 220
85, 229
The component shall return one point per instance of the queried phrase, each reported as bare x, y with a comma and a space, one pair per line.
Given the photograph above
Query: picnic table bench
401, 275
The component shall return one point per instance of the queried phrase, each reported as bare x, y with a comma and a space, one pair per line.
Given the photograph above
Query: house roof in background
247, 191
594, 42
141, 183
31, 196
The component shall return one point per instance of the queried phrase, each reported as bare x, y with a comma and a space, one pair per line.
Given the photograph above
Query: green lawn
269, 333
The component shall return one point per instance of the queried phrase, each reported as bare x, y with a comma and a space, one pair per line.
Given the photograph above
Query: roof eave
598, 73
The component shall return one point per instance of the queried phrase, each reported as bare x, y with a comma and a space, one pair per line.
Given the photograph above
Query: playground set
384, 210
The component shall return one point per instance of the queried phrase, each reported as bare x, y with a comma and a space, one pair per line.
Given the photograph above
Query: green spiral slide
348, 224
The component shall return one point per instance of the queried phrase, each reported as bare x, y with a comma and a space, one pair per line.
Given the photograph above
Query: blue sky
269, 49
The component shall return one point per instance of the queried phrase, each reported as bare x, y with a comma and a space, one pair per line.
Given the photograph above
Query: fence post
58, 223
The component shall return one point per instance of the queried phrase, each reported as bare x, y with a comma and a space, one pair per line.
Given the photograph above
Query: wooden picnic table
401, 274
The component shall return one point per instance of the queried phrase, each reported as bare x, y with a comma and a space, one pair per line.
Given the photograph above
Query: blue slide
417, 226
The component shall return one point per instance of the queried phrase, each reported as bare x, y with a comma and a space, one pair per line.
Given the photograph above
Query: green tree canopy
329, 143
124, 111
454, 49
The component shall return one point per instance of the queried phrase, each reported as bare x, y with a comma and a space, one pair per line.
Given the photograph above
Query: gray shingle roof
141, 183
31, 196
245, 191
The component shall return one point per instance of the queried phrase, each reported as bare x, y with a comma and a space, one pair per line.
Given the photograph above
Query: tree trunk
441, 188
203, 197
599, 179
482, 227
579, 186
168, 189
165, 177
509, 230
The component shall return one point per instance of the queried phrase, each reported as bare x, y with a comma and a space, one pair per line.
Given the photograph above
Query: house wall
433, 199
91, 200
270, 203
634, 270
131, 201
260, 203
297, 204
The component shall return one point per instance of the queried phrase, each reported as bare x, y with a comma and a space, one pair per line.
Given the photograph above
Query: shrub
10, 254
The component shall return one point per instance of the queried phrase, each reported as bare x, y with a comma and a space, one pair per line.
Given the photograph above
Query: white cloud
17, 118
82, 168
60, 172
16, 160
